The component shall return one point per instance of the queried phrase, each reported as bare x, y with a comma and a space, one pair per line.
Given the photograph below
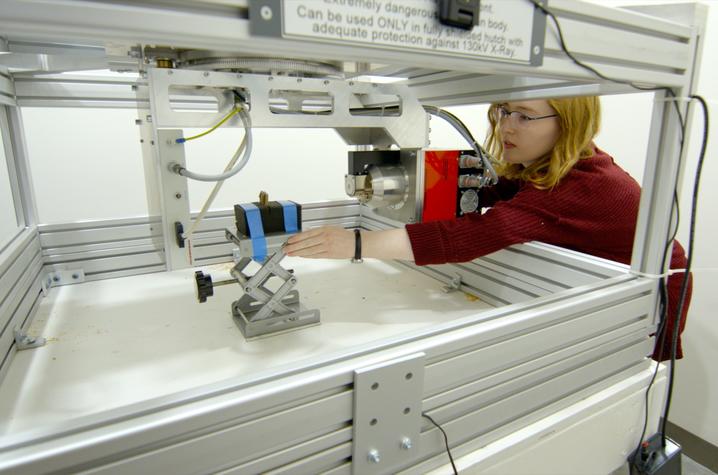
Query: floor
691, 467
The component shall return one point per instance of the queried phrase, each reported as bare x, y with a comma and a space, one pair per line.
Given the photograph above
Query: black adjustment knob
204, 286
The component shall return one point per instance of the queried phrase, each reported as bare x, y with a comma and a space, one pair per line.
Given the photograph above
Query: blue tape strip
256, 231
291, 216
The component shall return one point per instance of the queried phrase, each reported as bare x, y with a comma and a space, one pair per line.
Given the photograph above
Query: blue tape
256, 231
290, 216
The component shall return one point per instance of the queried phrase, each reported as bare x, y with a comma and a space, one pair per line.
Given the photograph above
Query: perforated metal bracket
64, 277
387, 414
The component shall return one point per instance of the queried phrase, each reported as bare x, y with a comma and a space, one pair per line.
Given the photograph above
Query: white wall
87, 164
696, 397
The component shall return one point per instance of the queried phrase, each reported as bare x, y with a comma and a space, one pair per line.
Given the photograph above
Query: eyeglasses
518, 118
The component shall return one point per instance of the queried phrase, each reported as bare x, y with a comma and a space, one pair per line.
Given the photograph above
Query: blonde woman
556, 186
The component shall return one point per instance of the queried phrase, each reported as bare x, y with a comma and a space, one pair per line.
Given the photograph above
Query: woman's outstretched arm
332, 242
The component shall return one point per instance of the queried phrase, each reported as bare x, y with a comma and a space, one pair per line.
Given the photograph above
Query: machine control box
450, 184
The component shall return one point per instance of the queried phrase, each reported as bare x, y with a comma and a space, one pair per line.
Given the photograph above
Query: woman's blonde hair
579, 119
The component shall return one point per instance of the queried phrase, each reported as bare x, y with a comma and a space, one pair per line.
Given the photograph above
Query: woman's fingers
325, 242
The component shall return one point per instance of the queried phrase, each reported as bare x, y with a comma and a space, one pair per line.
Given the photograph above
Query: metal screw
373, 456
75, 276
170, 72
351, 83
270, 78
326, 82
56, 279
299, 79
537, 49
266, 13
406, 443
206, 73
178, 195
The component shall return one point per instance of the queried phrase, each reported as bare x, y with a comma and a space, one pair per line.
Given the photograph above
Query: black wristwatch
357, 248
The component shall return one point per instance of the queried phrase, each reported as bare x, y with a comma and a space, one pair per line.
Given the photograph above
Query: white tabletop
122, 341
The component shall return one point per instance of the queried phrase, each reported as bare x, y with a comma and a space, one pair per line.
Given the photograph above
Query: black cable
446, 442
684, 285
689, 257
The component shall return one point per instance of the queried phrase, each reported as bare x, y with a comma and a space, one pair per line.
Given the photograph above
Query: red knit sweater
593, 209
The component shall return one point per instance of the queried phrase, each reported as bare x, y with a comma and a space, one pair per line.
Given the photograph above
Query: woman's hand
327, 242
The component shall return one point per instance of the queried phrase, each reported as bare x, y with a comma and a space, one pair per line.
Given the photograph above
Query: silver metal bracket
261, 311
387, 414
63, 277
25, 342
454, 285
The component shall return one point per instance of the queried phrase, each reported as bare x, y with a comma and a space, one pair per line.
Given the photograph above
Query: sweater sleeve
521, 219
504, 190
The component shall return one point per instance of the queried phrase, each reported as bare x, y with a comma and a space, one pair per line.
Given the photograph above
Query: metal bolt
326, 82
266, 13
299, 79
56, 279
75, 276
373, 456
351, 83
170, 72
178, 195
206, 74
406, 443
537, 49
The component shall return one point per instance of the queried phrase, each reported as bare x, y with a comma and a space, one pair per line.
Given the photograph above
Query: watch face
469, 201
